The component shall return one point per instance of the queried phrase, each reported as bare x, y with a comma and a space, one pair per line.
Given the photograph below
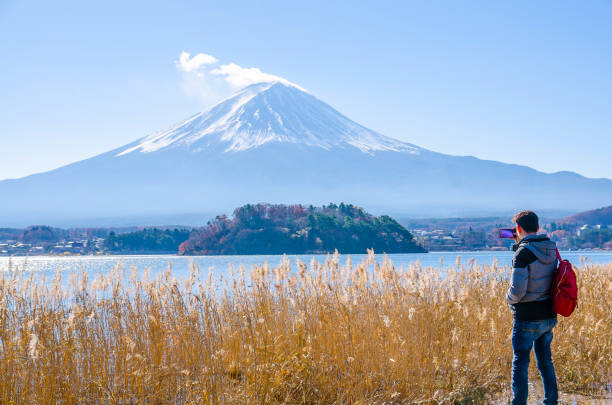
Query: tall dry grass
320, 333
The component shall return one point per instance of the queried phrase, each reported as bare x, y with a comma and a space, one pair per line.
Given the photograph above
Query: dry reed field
329, 332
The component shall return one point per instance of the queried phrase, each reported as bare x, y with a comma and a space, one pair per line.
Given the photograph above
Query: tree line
296, 229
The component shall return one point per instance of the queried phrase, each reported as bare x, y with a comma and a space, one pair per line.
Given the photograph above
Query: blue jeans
538, 334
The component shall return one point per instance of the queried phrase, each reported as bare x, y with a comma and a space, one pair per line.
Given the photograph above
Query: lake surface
48, 266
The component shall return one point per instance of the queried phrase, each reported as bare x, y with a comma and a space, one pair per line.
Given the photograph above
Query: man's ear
518, 228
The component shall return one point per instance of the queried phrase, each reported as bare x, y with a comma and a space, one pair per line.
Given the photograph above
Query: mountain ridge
273, 142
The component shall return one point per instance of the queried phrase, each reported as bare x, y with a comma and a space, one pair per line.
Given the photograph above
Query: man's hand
516, 239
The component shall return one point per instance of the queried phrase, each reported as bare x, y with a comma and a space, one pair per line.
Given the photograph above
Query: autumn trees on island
295, 229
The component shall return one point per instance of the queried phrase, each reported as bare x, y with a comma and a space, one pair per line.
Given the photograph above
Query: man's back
534, 266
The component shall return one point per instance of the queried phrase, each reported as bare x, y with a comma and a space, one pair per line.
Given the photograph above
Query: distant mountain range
277, 143
600, 216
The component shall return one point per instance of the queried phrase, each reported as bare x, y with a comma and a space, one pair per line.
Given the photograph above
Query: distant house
582, 228
587, 227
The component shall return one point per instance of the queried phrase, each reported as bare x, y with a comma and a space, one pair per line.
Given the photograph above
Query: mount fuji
275, 142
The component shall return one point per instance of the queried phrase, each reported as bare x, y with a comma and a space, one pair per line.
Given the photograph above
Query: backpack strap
558, 255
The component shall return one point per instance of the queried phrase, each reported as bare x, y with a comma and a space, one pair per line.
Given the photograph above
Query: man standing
533, 271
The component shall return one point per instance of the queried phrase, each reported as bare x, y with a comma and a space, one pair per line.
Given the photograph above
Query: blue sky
521, 82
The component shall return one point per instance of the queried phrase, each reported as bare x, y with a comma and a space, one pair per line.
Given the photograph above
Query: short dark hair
528, 220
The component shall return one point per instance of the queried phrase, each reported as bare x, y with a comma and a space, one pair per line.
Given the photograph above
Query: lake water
48, 266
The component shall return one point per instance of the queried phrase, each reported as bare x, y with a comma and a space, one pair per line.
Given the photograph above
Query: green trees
149, 240
593, 238
43, 234
294, 229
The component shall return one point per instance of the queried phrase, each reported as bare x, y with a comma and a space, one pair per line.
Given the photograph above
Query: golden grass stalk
325, 332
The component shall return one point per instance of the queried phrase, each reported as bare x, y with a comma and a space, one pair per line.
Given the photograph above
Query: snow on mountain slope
267, 113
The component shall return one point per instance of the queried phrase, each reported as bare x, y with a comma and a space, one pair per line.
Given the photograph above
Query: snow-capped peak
262, 113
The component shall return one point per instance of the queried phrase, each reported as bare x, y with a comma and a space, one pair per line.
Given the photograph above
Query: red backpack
564, 290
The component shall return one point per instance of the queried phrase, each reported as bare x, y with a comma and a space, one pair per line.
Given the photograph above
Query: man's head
526, 223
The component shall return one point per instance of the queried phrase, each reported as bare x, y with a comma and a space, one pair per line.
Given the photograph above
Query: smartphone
507, 233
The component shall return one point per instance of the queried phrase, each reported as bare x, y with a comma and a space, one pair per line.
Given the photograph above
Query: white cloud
239, 76
207, 79
187, 64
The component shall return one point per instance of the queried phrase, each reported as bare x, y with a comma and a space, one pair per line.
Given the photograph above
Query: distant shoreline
176, 255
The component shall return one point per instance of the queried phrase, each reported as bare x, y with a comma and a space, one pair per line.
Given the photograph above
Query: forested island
296, 229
